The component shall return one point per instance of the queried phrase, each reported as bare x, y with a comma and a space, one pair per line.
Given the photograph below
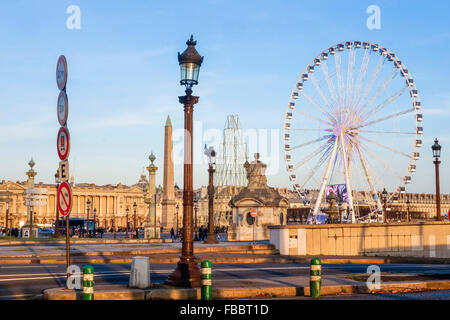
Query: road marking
59, 276
29, 267
18, 296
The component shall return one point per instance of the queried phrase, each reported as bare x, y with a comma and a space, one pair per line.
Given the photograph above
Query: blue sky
123, 75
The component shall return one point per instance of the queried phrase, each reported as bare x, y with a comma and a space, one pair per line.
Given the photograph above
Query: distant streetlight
126, 228
56, 205
177, 207
95, 220
195, 220
408, 203
211, 154
384, 196
88, 205
135, 225
437, 154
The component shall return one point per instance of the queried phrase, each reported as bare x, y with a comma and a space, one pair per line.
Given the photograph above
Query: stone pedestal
149, 233
140, 273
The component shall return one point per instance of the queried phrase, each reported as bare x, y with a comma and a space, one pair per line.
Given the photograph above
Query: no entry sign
254, 213
64, 199
63, 143
61, 73
62, 108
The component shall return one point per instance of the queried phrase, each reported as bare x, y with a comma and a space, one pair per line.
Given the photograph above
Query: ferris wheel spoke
311, 142
310, 156
319, 89
313, 171
385, 132
385, 147
362, 73
307, 129
385, 103
345, 161
314, 117
350, 71
325, 177
371, 83
369, 178
337, 61
386, 165
321, 109
392, 116
380, 90
329, 82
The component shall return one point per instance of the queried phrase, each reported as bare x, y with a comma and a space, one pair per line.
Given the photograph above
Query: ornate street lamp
177, 207
437, 154
211, 154
126, 228
408, 203
135, 225
384, 196
95, 220
195, 220
187, 273
88, 205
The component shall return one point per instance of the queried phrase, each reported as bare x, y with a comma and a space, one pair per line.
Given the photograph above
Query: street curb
93, 241
115, 292
247, 249
221, 259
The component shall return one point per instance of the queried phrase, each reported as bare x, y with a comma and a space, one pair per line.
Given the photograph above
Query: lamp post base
187, 274
211, 240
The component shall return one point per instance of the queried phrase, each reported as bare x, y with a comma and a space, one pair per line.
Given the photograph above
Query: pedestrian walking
172, 234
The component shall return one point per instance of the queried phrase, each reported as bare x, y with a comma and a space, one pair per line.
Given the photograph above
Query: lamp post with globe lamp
437, 154
187, 272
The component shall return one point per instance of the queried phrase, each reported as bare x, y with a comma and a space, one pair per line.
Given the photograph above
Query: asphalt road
22, 281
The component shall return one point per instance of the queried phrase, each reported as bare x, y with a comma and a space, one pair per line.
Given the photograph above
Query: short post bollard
315, 281
206, 280
88, 283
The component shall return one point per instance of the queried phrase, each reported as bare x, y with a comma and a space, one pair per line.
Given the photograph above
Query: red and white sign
61, 73
63, 143
62, 108
254, 213
64, 199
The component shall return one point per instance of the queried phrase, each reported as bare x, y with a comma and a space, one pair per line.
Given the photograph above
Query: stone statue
256, 173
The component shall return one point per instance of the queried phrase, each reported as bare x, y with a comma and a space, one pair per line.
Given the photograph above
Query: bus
74, 223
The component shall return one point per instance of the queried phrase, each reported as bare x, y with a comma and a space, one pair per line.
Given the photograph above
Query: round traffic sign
62, 108
61, 73
254, 213
64, 199
63, 143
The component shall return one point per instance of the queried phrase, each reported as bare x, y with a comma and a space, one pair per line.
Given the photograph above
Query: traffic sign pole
64, 193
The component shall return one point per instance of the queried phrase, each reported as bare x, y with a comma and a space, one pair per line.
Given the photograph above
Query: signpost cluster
64, 193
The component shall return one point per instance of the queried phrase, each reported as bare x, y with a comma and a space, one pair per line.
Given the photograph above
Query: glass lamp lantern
190, 62
384, 195
436, 149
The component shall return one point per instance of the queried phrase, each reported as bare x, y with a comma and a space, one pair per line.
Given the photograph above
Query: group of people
82, 233
201, 235
11, 232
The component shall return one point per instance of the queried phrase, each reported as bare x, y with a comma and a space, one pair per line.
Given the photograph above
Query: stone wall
430, 239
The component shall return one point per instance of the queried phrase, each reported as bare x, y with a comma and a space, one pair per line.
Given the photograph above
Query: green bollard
315, 281
88, 283
206, 280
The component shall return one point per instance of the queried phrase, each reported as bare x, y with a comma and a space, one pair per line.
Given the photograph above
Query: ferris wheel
353, 126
